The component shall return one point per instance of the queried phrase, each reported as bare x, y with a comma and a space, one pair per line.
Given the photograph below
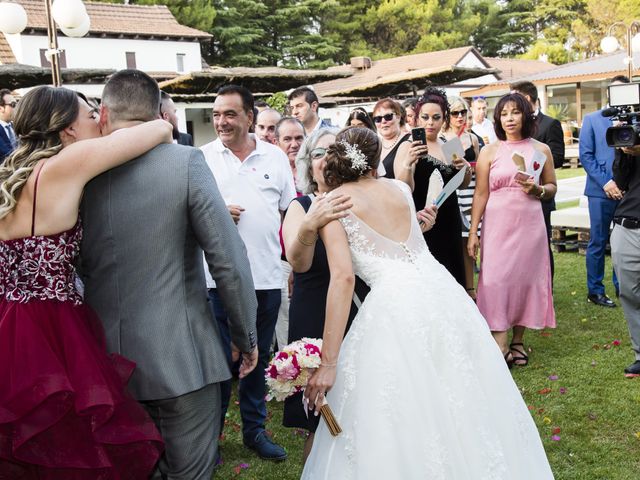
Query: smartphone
522, 176
419, 134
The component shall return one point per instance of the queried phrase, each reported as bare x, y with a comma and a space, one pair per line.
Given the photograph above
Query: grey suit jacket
146, 224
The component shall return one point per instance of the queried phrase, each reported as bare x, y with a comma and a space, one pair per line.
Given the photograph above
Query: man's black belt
632, 223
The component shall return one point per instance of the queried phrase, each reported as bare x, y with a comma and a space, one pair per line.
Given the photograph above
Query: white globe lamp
13, 18
635, 43
69, 13
81, 31
608, 44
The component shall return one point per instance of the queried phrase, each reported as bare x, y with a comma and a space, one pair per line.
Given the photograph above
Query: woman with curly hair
418, 385
64, 411
420, 163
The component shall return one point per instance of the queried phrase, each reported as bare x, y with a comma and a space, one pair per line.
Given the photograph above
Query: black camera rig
624, 101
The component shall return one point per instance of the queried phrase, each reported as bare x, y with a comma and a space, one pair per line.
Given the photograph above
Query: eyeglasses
435, 117
12, 104
317, 153
388, 117
459, 113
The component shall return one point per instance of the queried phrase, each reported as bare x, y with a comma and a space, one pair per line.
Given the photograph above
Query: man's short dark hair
621, 79
526, 88
3, 92
284, 120
309, 95
261, 104
245, 95
131, 95
529, 125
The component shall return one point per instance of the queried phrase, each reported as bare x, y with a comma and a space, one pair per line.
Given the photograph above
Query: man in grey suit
146, 224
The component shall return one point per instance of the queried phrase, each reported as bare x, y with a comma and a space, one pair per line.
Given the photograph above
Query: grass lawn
562, 173
585, 409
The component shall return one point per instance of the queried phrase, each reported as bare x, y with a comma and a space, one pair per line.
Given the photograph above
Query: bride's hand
325, 209
319, 384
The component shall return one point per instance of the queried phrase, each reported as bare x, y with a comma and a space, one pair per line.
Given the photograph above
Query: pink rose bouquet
290, 369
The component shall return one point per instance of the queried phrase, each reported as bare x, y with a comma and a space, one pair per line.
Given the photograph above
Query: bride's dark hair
355, 153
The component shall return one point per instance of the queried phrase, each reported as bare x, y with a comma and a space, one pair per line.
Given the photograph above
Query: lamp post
70, 15
610, 44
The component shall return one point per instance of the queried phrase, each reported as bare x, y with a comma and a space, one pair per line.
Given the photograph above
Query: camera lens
624, 135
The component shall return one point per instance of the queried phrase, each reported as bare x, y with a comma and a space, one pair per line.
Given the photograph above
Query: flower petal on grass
553, 377
544, 391
556, 438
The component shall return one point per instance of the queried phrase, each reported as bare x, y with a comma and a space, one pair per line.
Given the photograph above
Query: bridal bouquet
290, 370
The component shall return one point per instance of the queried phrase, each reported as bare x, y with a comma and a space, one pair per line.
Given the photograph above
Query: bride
418, 385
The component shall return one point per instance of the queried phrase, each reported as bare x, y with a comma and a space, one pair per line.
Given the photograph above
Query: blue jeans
251, 391
601, 212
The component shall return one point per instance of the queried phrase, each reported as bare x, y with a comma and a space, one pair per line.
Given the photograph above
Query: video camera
624, 106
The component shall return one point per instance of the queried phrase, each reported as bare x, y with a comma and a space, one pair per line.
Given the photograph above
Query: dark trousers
601, 212
549, 206
253, 408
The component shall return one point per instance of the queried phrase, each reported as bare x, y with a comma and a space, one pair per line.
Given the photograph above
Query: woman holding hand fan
512, 176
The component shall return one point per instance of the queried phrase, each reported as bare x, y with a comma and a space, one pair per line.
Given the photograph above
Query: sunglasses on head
436, 117
388, 117
317, 153
479, 97
459, 113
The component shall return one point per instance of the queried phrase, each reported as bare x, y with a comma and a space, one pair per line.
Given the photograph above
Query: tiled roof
6, 54
391, 70
120, 19
511, 68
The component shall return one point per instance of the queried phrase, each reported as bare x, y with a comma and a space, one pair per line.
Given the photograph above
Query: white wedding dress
422, 389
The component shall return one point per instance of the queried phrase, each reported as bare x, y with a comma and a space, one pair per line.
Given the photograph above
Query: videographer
625, 244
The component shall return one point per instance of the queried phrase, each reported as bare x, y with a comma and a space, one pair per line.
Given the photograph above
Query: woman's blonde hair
40, 117
455, 104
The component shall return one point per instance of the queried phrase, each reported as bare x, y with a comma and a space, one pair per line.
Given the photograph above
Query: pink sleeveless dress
64, 411
514, 287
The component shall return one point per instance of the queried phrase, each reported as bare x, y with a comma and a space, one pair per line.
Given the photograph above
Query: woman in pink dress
64, 410
514, 288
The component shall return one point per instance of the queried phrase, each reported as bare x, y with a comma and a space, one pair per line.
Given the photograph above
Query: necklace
392, 144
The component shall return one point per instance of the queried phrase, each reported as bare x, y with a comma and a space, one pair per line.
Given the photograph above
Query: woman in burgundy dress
64, 410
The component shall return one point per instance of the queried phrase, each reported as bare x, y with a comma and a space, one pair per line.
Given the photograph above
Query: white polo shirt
485, 131
263, 185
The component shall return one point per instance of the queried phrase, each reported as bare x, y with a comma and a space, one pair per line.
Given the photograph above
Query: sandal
508, 358
521, 359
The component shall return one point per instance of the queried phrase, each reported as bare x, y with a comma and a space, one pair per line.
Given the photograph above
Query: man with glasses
482, 126
8, 140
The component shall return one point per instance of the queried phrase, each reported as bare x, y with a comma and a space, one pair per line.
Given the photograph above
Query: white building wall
151, 55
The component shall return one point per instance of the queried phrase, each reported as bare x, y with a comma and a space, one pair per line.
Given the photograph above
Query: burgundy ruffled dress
64, 410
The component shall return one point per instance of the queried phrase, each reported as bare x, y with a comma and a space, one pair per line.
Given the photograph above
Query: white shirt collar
5, 124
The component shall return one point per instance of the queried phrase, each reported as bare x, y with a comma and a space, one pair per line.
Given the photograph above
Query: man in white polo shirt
256, 183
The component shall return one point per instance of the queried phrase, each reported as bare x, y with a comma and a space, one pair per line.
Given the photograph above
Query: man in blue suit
603, 195
7, 135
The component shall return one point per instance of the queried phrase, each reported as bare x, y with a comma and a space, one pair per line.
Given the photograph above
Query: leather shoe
633, 370
265, 447
601, 300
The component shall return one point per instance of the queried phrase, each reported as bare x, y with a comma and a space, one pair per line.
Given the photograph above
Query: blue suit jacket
595, 155
5, 144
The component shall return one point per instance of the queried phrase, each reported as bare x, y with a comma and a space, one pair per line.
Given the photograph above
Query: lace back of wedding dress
373, 253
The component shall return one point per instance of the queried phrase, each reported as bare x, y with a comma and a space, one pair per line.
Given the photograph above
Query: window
45, 63
131, 59
180, 62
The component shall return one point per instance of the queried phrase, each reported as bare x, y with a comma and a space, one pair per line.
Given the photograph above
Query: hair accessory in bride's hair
358, 159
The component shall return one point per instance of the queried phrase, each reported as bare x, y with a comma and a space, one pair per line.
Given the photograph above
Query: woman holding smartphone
419, 164
514, 288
